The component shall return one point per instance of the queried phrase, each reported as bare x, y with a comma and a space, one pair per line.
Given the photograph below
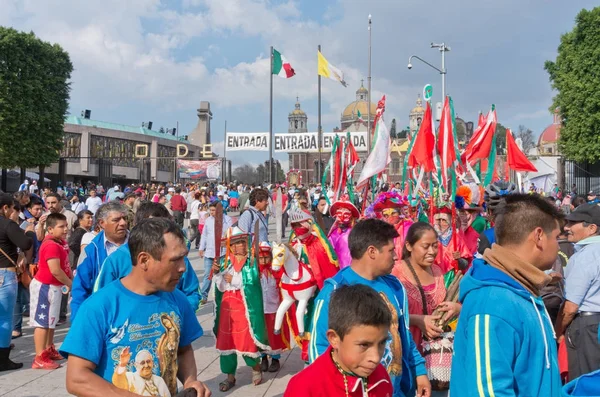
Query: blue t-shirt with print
133, 339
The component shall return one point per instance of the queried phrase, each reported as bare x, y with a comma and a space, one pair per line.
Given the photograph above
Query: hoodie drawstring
543, 331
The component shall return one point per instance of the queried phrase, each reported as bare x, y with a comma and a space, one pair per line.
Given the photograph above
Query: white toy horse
297, 284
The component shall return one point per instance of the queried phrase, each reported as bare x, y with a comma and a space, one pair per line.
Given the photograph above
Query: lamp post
443, 49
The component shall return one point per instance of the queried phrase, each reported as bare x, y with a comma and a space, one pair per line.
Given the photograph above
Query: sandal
256, 377
226, 385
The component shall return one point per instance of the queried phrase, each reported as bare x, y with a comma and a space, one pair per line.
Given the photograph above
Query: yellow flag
329, 71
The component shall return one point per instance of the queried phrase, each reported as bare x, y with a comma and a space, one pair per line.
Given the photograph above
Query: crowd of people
492, 293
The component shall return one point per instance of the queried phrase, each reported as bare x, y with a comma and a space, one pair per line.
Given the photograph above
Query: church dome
359, 106
419, 108
550, 134
297, 111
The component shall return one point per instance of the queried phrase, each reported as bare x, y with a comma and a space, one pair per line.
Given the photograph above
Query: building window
395, 167
121, 152
71, 147
166, 160
296, 124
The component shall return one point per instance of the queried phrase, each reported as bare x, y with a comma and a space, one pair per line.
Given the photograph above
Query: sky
153, 60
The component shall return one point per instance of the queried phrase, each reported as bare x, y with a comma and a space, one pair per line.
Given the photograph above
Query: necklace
345, 374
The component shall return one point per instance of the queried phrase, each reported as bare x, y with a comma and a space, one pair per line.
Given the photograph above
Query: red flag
481, 143
422, 151
515, 158
445, 143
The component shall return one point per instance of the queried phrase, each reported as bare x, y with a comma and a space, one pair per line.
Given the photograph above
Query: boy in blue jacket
371, 244
504, 343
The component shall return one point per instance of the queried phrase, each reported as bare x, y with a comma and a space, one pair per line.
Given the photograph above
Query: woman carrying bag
12, 238
428, 308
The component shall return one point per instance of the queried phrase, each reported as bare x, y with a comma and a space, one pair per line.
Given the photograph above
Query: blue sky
141, 60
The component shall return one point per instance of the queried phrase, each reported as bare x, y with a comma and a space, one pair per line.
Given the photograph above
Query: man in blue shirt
580, 315
119, 264
259, 200
371, 244
504, 342
135, 335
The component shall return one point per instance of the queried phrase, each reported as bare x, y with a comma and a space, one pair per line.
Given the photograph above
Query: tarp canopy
28, 174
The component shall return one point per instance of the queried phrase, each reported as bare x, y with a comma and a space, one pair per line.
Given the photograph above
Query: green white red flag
380, 155
280, 66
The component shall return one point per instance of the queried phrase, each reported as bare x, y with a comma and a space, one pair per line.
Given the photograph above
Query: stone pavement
28, 382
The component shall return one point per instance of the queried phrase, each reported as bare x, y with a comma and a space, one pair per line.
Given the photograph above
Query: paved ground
27, 382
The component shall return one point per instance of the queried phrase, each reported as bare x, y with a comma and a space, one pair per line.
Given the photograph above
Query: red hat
443, 210
347, 205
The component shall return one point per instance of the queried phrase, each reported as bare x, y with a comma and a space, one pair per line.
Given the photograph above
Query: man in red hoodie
359, 322
178, 206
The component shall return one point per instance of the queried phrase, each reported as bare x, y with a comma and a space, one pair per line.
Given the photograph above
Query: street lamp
443, 49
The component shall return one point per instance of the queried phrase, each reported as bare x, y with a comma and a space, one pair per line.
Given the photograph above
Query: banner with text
255, 141
194, 169
308, 142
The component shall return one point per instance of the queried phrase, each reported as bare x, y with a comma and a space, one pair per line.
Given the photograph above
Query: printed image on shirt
392, 355
145, 363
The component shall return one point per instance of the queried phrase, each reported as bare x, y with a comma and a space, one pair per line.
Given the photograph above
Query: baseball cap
589, 213
591, 193
171, 189
116, 188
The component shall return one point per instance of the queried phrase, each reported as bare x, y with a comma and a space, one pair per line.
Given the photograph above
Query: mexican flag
281, 66
360, 116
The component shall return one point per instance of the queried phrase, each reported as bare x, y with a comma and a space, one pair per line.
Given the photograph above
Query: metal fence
585, 176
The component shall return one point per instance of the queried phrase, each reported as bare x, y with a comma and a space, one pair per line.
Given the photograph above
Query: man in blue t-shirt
371, 244
135, 334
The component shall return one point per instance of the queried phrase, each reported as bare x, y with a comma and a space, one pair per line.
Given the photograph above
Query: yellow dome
298, 112
352, 110
419, 108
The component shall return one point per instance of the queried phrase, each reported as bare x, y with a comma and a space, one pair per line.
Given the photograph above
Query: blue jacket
118, 265
413, 363
86, 273
504, 342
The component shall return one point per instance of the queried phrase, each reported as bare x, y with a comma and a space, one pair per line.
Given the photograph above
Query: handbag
23, 277
436, 352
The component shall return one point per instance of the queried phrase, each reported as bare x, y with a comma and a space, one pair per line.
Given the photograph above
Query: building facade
106, 152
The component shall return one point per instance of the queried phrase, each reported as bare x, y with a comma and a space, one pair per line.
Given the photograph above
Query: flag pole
271, 121
225, 154
319, 134
369, 95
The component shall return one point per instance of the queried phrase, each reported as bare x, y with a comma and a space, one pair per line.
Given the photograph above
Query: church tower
298, 122
297, 119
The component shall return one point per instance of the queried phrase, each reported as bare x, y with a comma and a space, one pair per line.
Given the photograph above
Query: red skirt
277, 342
234, 328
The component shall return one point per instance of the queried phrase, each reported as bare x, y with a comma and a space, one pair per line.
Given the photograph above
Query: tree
527, 138
500, 139
575, 75
246, 174
393, 130
34, 96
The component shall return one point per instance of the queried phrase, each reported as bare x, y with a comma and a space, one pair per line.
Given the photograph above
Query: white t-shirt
194, 210
33, 189
93, 203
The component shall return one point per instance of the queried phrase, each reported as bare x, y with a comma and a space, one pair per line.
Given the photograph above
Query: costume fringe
256, 341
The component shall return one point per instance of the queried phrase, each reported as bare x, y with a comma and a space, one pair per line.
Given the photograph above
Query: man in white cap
116, 194
24, 185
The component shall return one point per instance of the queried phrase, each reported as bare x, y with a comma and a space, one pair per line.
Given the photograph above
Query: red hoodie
323, 379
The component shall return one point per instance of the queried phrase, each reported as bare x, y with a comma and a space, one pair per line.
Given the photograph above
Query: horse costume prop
297, 284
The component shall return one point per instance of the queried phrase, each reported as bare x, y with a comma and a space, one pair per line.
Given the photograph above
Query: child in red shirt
54, 272
359, 322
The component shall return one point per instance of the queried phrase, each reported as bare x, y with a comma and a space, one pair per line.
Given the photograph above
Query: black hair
355, 305
80, 215
178, 190
414, 234
34, 201
149, 209
54, 218
370, 232
149, 236
257, 195
16, 205
521, 215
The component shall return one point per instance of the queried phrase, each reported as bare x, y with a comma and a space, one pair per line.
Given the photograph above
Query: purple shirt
339, 241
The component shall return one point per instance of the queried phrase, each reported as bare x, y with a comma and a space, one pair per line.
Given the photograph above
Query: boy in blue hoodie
505, 343
371, 244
